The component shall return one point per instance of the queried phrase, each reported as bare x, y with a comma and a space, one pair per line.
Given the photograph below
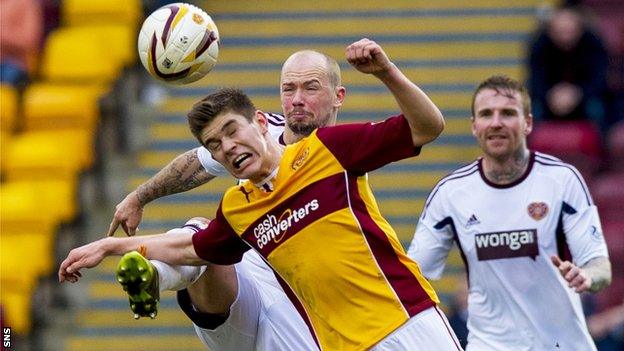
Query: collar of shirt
266, 184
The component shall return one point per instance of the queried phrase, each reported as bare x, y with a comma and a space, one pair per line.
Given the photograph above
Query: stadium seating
5, 140
76, 55
608, 193
80, 12
54, 144
56, 107
8, 108
49, 155
26, 256
615, 147
119, 40
30, 213
576, 142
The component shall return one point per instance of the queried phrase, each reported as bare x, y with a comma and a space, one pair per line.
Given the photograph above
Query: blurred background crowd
82, 124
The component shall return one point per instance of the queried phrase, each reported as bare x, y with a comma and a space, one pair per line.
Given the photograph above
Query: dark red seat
615, 146
575, 142
608, 193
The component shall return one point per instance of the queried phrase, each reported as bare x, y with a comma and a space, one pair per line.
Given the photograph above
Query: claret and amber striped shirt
320, 229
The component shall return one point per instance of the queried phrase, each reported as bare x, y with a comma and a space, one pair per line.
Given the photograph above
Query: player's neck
506, 170
291, 137
271, 161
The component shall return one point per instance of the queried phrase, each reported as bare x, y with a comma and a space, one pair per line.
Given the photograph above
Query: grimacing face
309, 100
500, 124
239, 144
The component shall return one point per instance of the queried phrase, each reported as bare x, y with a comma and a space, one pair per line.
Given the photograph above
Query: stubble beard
304, 129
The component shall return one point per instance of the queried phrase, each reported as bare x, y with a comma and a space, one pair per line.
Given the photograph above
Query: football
178, 43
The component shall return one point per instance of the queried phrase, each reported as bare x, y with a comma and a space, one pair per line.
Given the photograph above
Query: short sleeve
210, 165
218, 243
434, 236
363, 147
581, 223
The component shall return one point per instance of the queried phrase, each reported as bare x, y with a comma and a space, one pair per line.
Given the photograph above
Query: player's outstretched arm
423, 116
184, 173
172, 249
594, 276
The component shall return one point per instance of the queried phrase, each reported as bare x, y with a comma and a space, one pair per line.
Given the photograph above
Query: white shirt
506, 234
276, 124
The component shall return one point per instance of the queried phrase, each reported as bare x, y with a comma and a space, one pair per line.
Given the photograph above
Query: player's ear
472, 126
262, 121
340, 93
528, 127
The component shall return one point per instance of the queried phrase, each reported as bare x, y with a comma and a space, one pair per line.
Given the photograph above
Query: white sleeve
433, 239
210, 165
581, 223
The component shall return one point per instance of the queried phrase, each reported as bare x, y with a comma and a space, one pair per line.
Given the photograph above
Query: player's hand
368, 57
576, 277
128, 214
86, 256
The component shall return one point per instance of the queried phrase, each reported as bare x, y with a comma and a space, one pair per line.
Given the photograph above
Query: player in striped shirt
309, 212
527, 230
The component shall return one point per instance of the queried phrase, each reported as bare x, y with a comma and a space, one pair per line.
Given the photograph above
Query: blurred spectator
20, 39
568, 71
51, 10
609, 15
607, 328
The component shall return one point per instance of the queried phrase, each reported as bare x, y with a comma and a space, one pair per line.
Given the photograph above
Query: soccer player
526, 228
311, 94
308, 210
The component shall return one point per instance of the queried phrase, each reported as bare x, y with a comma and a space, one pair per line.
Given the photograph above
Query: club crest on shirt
537, 210
300, 159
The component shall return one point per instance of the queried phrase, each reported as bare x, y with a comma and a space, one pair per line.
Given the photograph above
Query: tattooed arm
594, 276
185, 172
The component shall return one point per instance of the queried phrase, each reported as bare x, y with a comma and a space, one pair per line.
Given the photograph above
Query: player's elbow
438, 126
422, 136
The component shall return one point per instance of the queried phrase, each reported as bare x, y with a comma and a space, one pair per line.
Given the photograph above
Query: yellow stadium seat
24, 257
5, 140
49, 106
26, 253
17, 308
21, 209
56, 198
78, 12
49, 155
119, 39
78, 55
8, 107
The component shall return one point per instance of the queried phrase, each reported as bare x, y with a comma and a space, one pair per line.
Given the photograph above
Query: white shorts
261, 319
428, 330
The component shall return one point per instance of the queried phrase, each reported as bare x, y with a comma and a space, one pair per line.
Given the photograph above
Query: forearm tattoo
599, 269
184, 173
